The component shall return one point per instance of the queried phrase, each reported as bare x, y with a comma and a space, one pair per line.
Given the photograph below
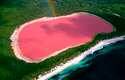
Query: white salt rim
15, 35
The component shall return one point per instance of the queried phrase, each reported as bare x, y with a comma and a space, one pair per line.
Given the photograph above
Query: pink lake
39, 39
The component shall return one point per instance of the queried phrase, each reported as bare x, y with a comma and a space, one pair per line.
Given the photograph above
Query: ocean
105, 61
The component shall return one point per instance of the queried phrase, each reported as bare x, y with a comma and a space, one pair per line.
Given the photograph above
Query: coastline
61, 67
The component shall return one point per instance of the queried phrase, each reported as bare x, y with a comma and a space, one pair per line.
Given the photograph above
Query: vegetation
15, 13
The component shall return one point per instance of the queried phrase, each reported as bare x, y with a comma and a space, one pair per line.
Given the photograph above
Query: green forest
13, 13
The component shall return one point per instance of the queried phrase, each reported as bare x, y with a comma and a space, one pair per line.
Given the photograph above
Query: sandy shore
60, 68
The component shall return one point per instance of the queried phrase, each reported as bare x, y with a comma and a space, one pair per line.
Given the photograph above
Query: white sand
60, 68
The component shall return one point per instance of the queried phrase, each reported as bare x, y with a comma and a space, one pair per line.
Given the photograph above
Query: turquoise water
107, 63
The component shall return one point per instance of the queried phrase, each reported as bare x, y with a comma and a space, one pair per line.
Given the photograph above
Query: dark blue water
107, 63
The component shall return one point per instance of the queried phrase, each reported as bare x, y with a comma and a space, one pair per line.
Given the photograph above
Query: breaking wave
85, 65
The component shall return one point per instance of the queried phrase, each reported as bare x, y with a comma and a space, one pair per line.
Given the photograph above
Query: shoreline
15, 35
75, 60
